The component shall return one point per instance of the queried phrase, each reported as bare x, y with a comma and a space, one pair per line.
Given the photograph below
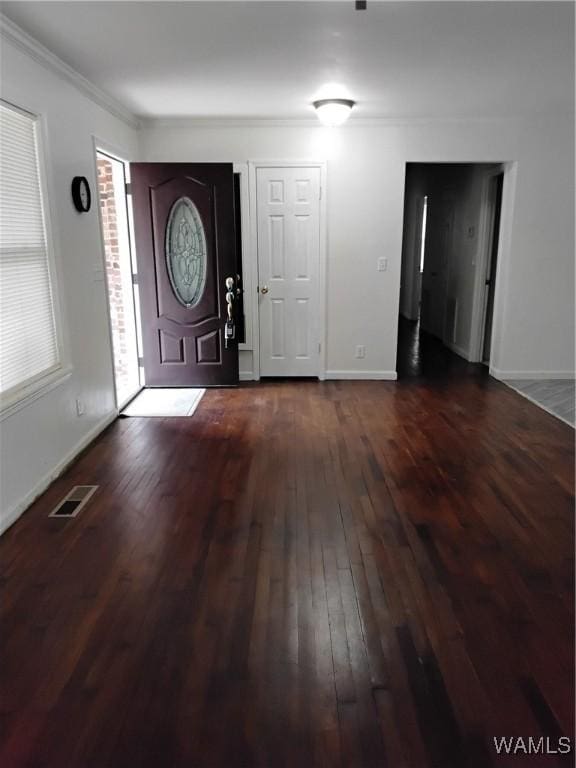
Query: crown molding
310, 122
25, 42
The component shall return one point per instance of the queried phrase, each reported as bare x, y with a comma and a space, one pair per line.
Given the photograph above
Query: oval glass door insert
186, 255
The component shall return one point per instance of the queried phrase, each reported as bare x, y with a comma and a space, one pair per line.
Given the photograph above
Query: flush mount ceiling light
333, 112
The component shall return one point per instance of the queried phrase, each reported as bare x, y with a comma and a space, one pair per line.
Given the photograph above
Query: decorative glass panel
186, 255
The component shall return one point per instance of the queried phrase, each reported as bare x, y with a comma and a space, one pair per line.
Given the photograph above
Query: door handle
229, 330
230, 297
264, 289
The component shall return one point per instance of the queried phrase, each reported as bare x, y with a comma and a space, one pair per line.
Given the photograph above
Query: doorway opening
114, 216
451, 238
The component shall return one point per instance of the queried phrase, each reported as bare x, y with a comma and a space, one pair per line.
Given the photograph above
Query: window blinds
28, 343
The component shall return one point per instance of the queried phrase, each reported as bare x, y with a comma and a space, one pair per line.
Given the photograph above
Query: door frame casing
488, 211
253, 166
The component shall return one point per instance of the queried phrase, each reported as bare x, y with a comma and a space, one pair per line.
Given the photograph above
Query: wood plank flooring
303, 574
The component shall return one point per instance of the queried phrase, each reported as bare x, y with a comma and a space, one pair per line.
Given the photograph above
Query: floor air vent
74, 501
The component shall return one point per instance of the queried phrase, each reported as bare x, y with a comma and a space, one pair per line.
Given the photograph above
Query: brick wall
113, 274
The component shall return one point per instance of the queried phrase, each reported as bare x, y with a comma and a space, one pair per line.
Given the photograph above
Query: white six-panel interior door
288, 230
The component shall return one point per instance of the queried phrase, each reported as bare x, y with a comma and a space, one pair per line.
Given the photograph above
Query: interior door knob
264, 289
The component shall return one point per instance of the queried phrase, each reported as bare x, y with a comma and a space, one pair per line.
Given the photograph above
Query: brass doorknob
264, 289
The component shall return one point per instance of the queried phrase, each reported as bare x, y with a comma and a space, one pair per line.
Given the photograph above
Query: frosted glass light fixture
333, 112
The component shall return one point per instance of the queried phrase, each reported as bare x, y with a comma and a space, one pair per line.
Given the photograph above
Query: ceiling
270, 59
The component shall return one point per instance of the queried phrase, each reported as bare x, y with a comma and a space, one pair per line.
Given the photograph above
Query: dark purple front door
185, 250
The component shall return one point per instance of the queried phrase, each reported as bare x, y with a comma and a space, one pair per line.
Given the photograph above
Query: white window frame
32, 389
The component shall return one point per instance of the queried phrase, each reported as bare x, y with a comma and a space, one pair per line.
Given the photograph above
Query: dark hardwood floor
303, 574
421, 355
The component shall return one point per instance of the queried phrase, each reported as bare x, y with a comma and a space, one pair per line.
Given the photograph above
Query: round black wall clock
81, 196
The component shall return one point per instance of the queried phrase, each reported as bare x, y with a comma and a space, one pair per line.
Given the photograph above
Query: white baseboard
502, 375
363, 375
246, 376
16, 511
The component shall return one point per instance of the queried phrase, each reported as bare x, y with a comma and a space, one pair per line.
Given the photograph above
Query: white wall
38, 439
366, 171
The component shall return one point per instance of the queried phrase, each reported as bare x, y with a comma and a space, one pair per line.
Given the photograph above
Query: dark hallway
421, 355
449, 262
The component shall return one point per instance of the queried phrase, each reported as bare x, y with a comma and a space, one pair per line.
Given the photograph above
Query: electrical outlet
80, 407
360, 351
382, 264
